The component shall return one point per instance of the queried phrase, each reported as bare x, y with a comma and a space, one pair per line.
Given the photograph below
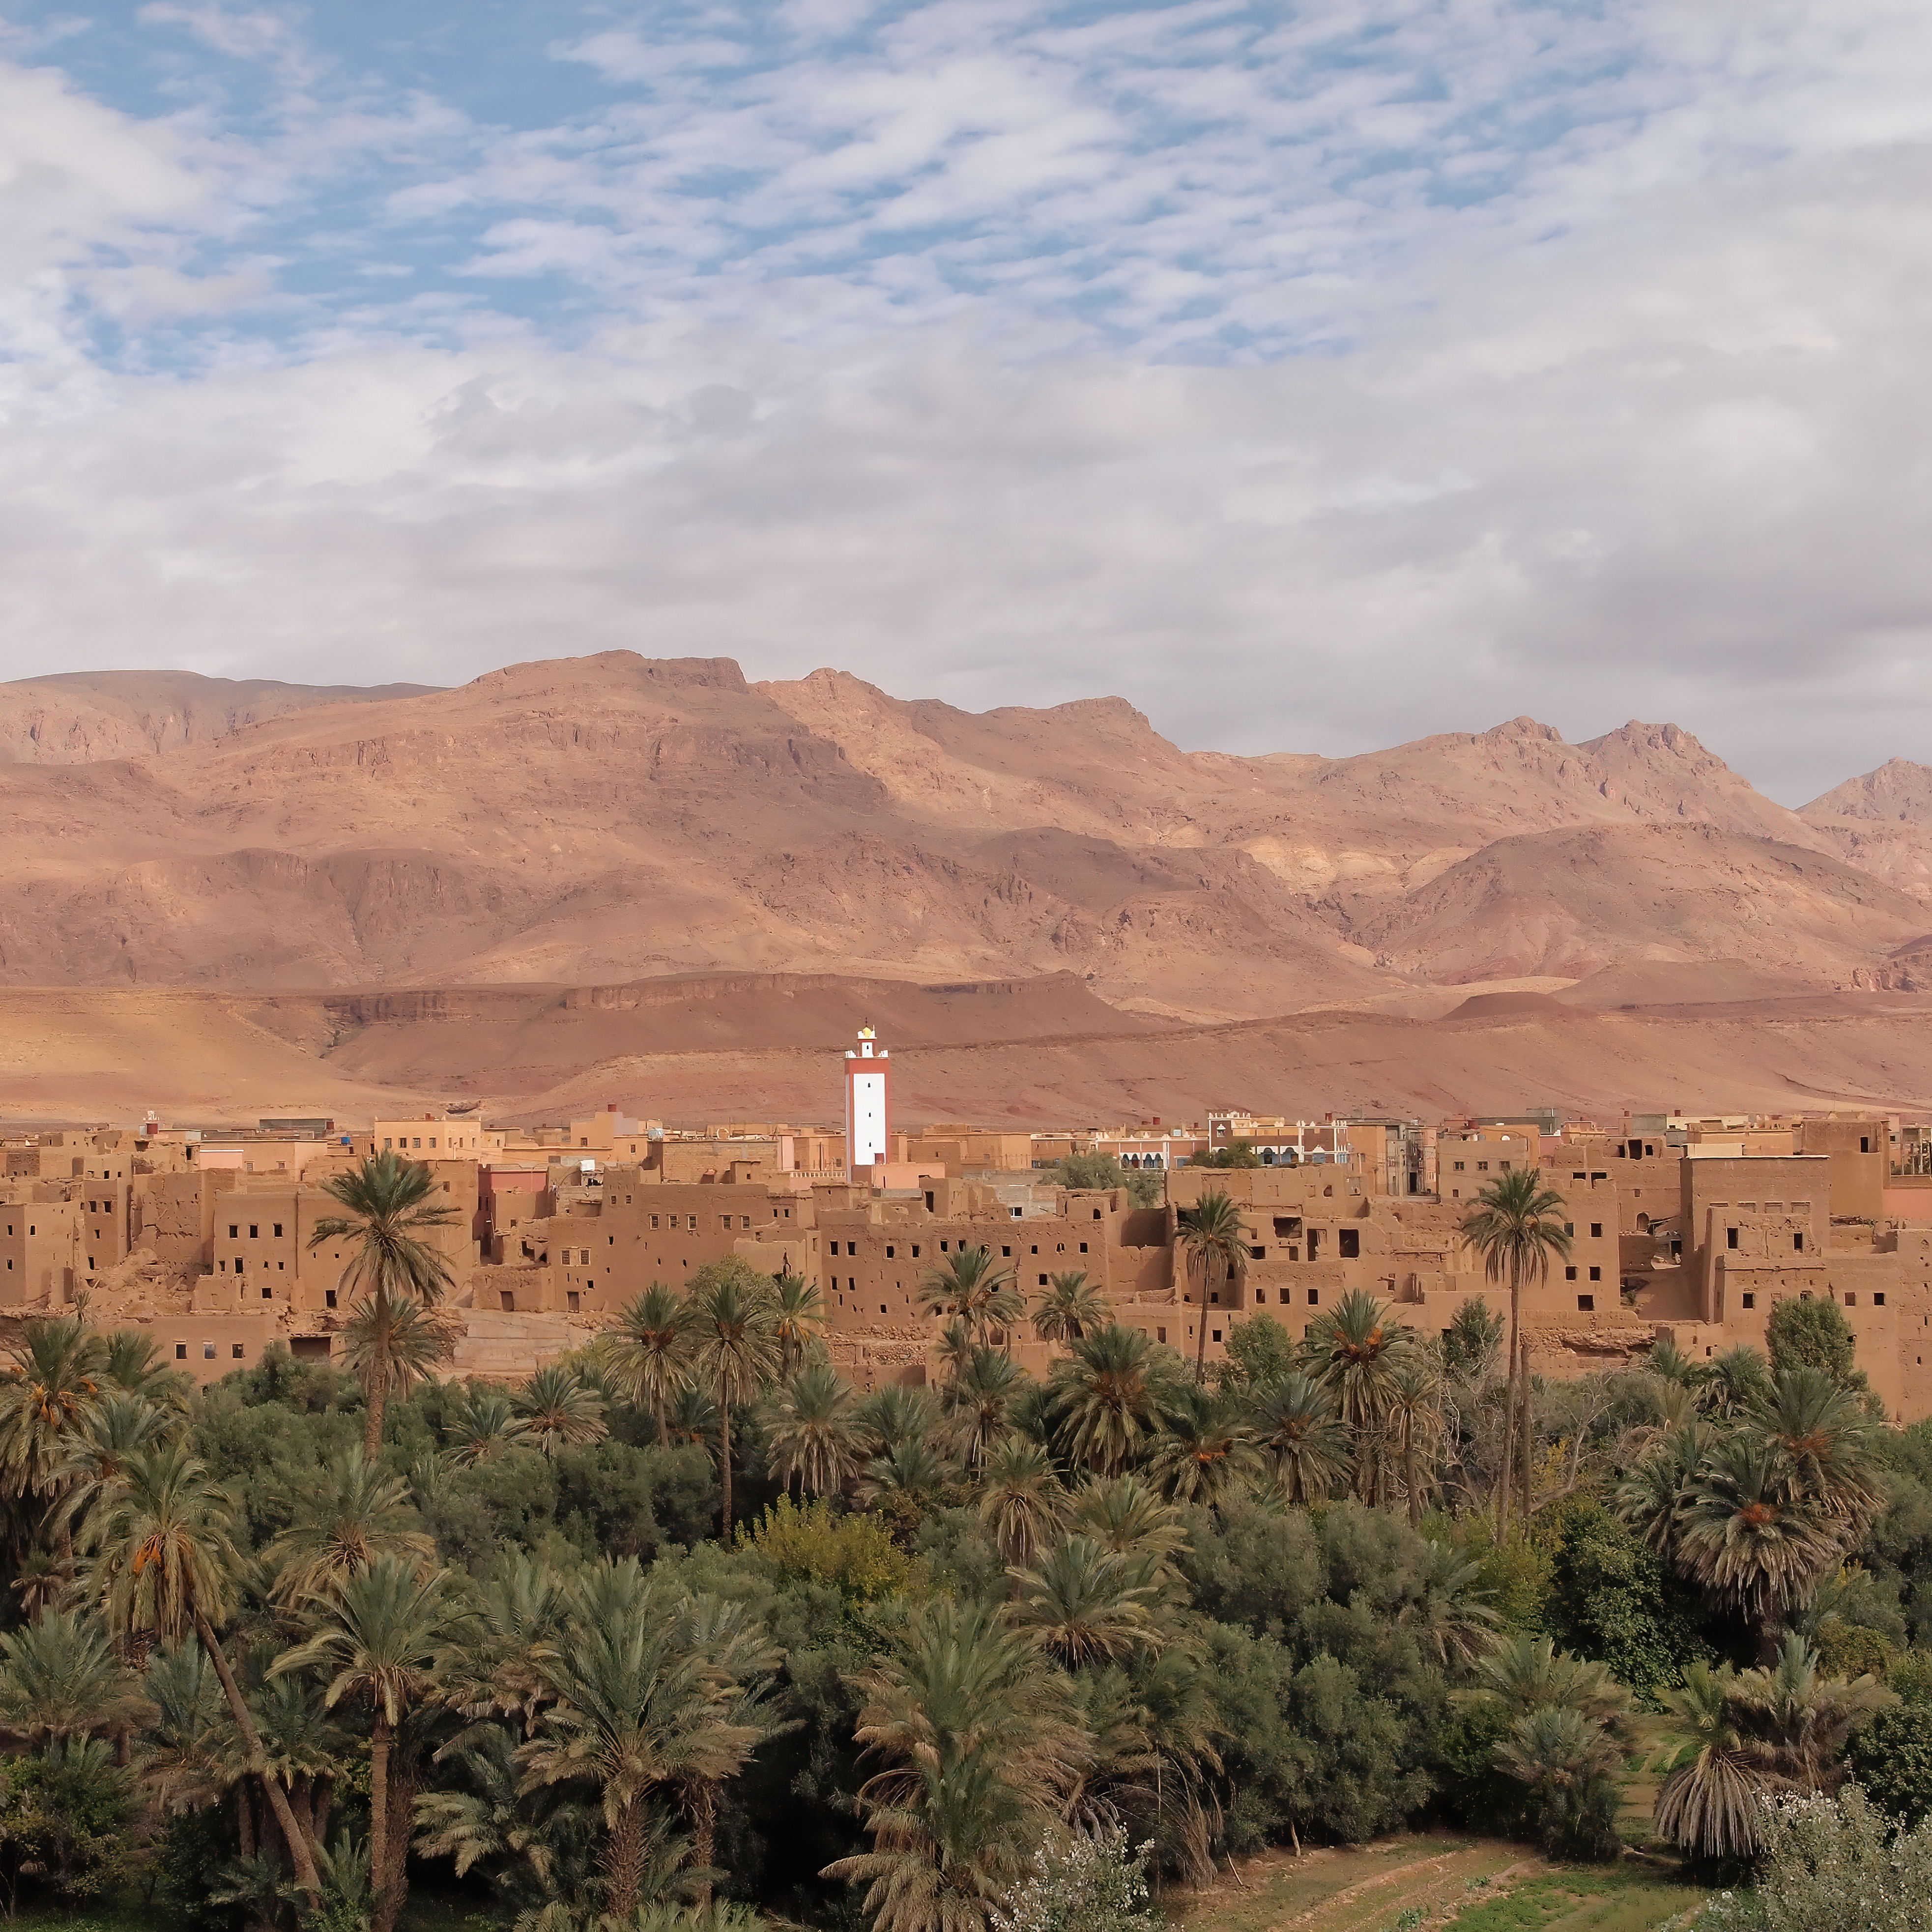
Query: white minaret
868, 1105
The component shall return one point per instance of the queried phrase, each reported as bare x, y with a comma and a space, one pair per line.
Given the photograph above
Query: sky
1316, 377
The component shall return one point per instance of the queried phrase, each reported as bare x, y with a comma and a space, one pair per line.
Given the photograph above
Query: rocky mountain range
615, 818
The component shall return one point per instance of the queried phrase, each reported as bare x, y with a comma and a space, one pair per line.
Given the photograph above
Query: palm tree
381, 1630
975, 1403
495, 1669
1082, 1603
1297, 1427
357, 1513
743, 1663
60, 1678
387, 1213
1206, 1448
898, 1412
1523, 1673
915, 1475
1669, 1363
1515, 1226
1708, 1803
814, 1429
1072, 1307
50, 1394
1122, 1514
1453, 1620
1212, 1238
122, 1426
647, 1356
690, 1420
735, 1348
954, 1346
1357, 1347
1746, 1537
391, 1343
558, 1408
1732, 1382
1822, 1434
800, 1316
1414, 1407
165, 1563
969, 1284
1569, 1764
982, 1744
1651, 1498
1021, 1499
485, 1425
1803, 1720
1112, 1393
637, 1707
136, 1366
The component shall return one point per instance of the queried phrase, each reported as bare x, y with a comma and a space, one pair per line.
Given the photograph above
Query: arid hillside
615, 818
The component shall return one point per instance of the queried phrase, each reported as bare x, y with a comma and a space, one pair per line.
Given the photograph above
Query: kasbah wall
1691, 1230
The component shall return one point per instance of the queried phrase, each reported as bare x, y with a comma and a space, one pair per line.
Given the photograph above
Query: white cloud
951, 346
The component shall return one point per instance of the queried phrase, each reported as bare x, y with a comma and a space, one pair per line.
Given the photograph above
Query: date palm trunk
301, 1854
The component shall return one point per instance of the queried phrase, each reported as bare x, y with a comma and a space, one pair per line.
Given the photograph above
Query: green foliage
1514, 1572
1609, 1596
1261, 1352
1144, 1189
1891, 1758
855, 1555
192, 1847
1236, 1154
63, 1821
1813, 1334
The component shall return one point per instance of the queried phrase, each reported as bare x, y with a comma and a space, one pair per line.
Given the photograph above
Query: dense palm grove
686, 1627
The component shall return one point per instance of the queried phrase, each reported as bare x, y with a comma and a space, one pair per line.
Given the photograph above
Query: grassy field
1405, 1883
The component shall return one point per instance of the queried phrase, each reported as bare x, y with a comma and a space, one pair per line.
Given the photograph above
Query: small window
235, 1351
207, 1351
915, 1251
1749, 1300
181, 1351
1083, 1247
1482, 1167
1851, 1300
1864, 1144
1586, 1304
1006, 1254
1569, 1274
1160, 1335
1315, 1297
1596, 1274
1096, 1213
1350, 1240
1217, 1334
1798, 1242
1730, 1237
1878, 1300
234, 1232
328, 1297
1261, 1298
1042, 1281
1596, 1231
1257, 1254
1569, 1227
1459, 1167
278, 1231
891, 1252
